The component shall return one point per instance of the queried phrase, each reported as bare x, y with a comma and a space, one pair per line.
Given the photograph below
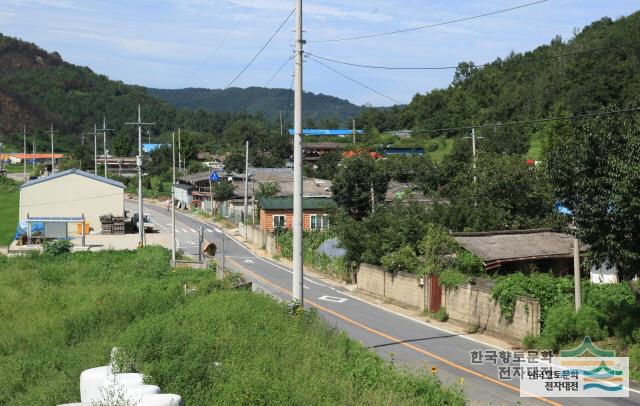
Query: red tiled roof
37, 156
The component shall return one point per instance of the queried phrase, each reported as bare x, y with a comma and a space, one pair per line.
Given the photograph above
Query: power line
608, 48
261, 49
354, 80
431, 25
540, 120
278, 71
221, 43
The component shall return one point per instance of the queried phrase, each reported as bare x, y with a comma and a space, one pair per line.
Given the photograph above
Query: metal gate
435, 293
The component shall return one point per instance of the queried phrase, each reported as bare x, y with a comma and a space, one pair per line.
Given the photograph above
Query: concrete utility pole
576, 273
173, 200
104, 130
373, 201
473, 146
139, 165
298, 218
246, 189
95, 148
179, 153
53, 166
281, 125
24, 160
354, 132
33, 161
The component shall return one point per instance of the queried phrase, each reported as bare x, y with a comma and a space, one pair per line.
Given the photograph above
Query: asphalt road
400, 339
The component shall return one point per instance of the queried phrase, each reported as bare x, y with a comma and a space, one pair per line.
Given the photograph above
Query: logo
585, 371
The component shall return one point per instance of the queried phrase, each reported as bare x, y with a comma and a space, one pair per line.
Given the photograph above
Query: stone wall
470, 306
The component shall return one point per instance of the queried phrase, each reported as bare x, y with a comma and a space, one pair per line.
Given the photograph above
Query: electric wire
357, 65
540, 120
278, 71
355, 80
430, 25
221, 43
260, 51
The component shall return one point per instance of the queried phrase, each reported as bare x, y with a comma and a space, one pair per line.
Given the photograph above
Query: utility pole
51, 132
373, 201
246, 189
104, 130
576, 273
139, 165
354, 132
173, 199
24, 161
179, 153
95, 148
473, 146
297, 165
281, 125
33, 161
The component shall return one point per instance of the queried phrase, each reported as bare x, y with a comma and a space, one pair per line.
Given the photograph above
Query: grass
9, 201
215, 346
445, 145
536, 147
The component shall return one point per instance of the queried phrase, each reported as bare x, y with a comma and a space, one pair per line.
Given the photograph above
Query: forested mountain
254, 100
600, 65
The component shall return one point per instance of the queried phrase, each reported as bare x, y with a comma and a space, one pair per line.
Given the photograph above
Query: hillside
600, 65
253, 100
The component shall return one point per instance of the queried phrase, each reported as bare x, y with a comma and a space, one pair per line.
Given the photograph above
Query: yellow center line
398, 341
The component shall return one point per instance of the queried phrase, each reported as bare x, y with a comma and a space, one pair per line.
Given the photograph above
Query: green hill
254, 100
599, 65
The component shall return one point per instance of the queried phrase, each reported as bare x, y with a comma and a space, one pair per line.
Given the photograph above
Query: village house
526, 251
277, 212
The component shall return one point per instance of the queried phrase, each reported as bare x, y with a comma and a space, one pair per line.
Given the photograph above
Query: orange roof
37, 156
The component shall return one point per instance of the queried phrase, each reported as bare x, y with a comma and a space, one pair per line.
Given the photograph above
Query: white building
72, 193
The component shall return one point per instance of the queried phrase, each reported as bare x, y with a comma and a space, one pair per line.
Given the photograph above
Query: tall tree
353, 185
595, 172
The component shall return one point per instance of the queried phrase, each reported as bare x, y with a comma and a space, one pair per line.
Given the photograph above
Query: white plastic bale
137, 392
90, 383
130, 379
165, 399
73, 404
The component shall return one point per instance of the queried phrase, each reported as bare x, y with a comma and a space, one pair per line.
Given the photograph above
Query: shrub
616, 307
530, 342
560, 327
57, 247
404, 259
587, 324
469, 264
634, 361
441, 315
452, 279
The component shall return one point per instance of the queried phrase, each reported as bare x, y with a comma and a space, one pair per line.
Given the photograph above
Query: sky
206, 43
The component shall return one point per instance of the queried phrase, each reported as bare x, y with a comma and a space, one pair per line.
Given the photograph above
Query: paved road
395, 337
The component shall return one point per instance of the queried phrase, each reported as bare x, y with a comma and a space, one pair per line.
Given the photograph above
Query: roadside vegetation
216, 345
9, 205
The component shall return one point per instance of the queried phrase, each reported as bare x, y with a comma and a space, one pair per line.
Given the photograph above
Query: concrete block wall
404, 288
473, 305
261, 239
467, 306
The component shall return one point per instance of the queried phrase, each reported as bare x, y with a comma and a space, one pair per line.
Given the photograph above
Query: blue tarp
331, 248
318, 132
22, 229
151, 147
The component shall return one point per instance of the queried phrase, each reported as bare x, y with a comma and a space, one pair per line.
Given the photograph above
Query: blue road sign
214, 177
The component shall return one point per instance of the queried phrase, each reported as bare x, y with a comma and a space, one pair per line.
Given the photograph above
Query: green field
9, 201
215, 346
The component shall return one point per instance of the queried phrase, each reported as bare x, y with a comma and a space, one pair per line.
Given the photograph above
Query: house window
279, 221
319, 221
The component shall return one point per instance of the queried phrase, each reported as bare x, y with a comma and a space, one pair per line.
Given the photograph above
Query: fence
260, 238
470, 306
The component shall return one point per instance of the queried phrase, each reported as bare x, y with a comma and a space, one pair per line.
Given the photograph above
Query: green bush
530, 342
616, 307
57, 247
587, 323
634, 361
469, 264
549, 290
441, 315
559, 328
452, 279
404, 259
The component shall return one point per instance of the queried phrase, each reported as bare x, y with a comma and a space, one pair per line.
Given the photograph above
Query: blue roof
319, 132
71, 172
403, 151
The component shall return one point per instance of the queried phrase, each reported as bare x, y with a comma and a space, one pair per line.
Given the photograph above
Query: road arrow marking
248, 261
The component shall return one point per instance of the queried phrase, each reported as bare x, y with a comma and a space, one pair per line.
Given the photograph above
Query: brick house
278, 212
